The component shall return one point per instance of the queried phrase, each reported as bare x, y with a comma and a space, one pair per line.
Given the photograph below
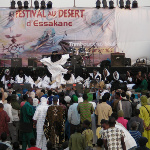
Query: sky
70, 3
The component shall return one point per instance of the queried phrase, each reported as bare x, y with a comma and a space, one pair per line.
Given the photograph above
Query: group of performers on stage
58, 76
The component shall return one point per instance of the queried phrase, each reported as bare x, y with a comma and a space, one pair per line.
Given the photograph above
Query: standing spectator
134, 133
142, 143
4, 119
5, 145
145, 116
139, 121
103, 110
33, 143
26, 123
115, 103
50, 97
15, 113
77, 140
11, 127
85, 109
121, 119
39, 117
126, 106
54, 123
113, 137
73, 115
88, 134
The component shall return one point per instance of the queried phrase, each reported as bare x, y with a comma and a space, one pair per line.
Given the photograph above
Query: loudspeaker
16, 62
127, 61
32, 62
117, 59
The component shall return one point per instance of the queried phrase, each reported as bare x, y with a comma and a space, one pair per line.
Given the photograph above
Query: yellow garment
145, 116
97, 132
88, 133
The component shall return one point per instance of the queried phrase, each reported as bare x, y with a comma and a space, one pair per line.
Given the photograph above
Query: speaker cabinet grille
117, 59
16, 62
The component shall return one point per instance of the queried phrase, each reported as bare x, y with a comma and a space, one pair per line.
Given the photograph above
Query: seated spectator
5, 145
121, 118
134, 133
33, 143
16, 146
142, 143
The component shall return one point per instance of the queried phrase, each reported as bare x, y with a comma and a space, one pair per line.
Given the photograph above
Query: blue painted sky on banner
70, 3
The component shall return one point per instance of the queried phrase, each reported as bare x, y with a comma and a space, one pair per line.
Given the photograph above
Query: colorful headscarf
143, 100
90, 96
75, 98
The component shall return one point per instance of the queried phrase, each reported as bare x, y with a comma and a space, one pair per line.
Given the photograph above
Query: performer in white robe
96, 75
39, 116
55, 66
21, 77
46, 82
7, 79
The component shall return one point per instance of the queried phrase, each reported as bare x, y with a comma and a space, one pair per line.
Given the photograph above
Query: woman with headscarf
145, 116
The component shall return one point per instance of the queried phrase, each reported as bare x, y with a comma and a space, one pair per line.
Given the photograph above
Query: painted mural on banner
33, 33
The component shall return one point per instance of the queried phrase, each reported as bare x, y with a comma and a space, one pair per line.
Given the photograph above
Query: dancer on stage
54, 64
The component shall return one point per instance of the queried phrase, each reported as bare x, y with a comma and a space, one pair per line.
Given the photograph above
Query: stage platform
41, 71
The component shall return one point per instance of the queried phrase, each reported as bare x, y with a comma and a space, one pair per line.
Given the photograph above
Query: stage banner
33, 33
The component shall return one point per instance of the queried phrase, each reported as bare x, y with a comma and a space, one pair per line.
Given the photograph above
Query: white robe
18, 79
45, 82
55, 68
3, 80
40, 115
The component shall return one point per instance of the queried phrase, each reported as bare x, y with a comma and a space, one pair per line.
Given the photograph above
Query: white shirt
18, 79
8, 109
73, 115
15, 114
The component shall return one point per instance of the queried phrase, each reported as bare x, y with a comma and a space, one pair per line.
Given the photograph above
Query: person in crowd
134, 133
85, 109
106, 76
126, 106
49, 146
145, 116
2, 97
16, 146
103, 110
88, 134
26, 123
109, 100
121, 119
77, 140
95, 75
11, 127
4, 120
4, 144
33, 145
25, 97
138, 120
15, 113
50, 97
128, 77
99, 144
143, 86
73, 115
113, 138
54, 123
7, 80
115, 102
142, 143
39, 117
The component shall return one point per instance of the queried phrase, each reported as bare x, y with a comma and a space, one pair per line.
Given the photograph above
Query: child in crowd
88, 134
4, 145
33, 143
16, 146
100, 144
77, 140
134, 133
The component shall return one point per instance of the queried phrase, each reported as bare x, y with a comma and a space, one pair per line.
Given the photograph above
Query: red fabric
122, 121
4, 119
33, 148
